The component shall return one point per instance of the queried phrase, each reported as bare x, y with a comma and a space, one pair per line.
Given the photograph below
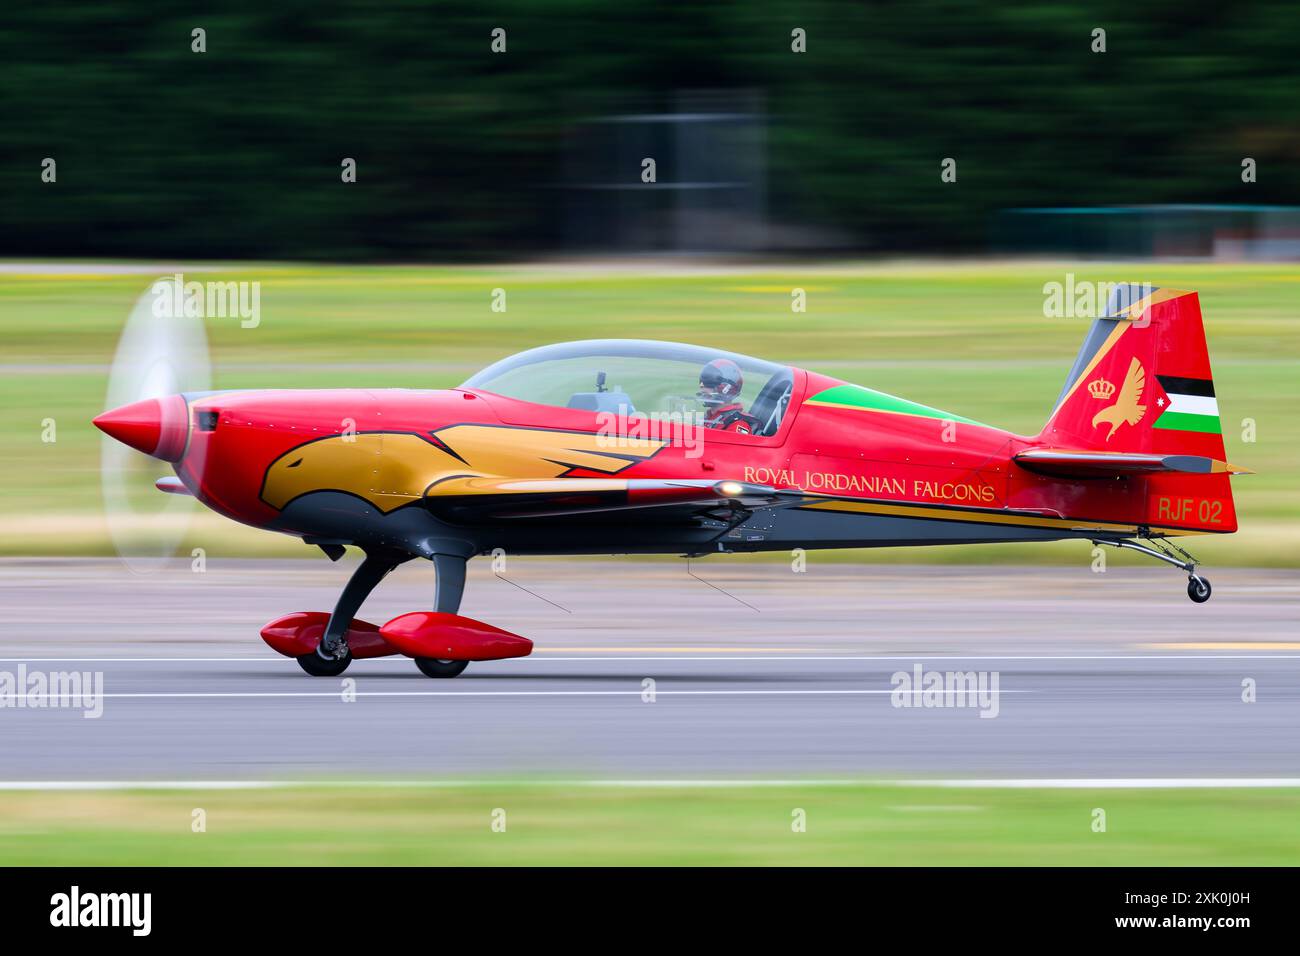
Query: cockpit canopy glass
636, 377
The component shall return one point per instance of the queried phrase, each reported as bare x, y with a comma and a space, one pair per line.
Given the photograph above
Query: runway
653, 670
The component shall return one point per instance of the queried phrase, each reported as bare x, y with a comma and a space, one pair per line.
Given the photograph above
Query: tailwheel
318, 666
1198, 588
433, 667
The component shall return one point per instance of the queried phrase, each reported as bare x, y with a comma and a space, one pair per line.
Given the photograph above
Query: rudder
1141, 383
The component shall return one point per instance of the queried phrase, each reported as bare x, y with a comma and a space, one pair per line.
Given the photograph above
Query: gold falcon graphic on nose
390, 469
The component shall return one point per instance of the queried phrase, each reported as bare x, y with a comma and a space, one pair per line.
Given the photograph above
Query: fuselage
354, 466
397, 468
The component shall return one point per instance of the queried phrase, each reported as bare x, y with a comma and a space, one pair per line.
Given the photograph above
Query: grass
559, 824
967, 337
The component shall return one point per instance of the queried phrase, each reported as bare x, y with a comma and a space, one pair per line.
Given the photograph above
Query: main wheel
432, 667
1198, 589
317, 666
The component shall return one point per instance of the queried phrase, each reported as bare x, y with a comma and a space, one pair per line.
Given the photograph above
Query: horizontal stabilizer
1072, 463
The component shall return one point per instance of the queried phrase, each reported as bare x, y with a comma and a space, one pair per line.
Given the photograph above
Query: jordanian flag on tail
1190, 405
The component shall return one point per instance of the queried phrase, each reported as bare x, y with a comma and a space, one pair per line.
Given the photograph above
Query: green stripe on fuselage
1183, 422
855, 396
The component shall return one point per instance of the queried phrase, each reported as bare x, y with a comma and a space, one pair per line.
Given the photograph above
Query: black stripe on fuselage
1174, 385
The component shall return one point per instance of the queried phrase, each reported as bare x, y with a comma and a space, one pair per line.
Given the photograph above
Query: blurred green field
968, 337
560, 824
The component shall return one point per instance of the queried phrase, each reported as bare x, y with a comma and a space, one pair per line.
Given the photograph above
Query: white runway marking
1117, 783
756, 657
801, 692
1048, 783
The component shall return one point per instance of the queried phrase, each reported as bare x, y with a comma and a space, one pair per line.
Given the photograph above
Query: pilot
720, 385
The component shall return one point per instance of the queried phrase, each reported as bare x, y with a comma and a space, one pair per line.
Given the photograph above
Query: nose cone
155, 426
138, 424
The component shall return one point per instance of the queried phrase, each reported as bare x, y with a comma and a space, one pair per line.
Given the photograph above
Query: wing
469, 500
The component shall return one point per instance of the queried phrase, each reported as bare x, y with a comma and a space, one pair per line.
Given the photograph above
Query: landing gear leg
450, 585
1198, 588
449, 588
331, 656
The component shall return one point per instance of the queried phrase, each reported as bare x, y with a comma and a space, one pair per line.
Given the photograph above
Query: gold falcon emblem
390, 469
1126, 407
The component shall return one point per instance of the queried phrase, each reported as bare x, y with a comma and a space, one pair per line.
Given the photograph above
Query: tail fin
1141, 384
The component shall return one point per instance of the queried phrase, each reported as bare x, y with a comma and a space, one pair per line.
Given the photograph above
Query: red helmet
720, 382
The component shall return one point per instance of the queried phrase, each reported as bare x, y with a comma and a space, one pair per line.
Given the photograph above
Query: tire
317, 666
1198, 589
432, 667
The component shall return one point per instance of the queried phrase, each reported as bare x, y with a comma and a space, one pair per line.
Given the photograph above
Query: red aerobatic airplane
601, 447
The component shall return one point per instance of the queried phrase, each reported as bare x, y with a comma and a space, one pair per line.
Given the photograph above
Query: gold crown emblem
1100, 388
